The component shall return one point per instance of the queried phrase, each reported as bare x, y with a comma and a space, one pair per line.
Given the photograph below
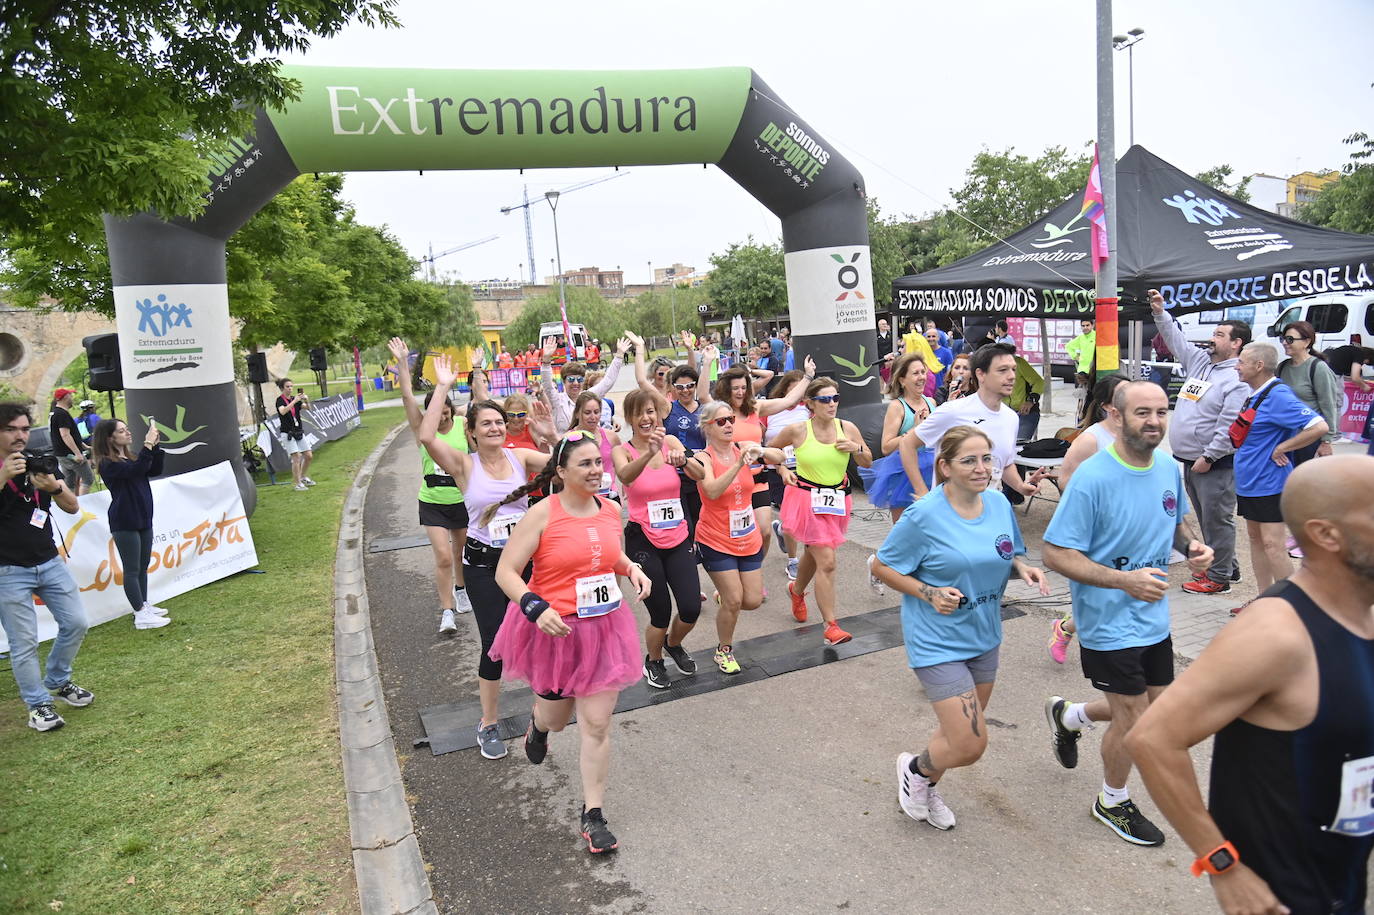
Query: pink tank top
654, 500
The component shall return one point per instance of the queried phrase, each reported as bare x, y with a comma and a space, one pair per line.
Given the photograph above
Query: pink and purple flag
1095, 209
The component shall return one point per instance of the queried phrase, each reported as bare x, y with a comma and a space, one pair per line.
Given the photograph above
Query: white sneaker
301, 487
154, 609
447, 623
792, 565
938, 813
144, 619
878, 587
307, 481
462, 603
918, 797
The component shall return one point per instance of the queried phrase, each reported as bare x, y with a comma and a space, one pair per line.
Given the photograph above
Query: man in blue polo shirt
1111, 536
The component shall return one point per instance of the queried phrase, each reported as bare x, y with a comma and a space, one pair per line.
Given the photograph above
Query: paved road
777, 796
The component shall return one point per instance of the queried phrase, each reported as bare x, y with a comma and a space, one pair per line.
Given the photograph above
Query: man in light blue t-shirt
1111, 536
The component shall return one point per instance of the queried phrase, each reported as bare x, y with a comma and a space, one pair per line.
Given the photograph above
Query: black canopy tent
1201, 248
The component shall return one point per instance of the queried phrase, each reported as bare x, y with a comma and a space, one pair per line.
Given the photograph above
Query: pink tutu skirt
809, 527
600, 653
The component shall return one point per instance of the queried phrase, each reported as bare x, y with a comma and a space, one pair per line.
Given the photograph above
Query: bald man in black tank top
1288, 689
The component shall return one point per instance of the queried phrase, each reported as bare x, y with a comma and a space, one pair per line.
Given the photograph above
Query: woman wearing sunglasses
586, 413
951, 556
1306, 372
568, 633
816, 509
727, 536
487, 479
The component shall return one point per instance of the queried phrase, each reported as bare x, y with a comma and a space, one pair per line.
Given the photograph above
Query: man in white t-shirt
993, 369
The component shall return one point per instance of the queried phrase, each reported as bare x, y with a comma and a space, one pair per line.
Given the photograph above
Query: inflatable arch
171, 298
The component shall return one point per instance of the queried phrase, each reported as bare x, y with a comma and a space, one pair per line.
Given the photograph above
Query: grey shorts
73, 471
954, 678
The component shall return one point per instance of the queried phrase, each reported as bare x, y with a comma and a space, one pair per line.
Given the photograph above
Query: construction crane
525, 205
432, 257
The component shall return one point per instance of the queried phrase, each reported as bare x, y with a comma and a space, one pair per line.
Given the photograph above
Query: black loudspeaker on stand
102, 357
319, 359
257, 368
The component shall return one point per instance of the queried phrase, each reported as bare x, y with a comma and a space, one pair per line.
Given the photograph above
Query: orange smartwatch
1217, 861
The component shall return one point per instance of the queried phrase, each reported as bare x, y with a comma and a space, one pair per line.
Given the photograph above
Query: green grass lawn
206, 776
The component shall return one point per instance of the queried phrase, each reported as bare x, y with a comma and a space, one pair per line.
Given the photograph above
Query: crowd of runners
558, 518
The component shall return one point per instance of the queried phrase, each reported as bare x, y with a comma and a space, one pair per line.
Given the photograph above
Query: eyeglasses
572, 379
724, 421
660, 374
521, 415
1291, 340
973, 460
685, 387
826, 398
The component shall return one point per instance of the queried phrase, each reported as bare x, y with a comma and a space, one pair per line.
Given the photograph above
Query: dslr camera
41, 462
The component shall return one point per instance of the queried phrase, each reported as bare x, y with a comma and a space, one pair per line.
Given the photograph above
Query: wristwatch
1217, 861
1210, 460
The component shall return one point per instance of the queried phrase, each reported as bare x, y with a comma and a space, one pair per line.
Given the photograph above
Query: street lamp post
1127, 43
552, 198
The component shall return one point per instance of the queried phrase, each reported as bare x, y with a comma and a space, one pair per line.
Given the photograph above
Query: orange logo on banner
205, 537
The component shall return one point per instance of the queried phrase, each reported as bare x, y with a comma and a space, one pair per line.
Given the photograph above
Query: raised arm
481, 390
709, 356
457, 463
778, 404
627, 470
401, 353
613, 371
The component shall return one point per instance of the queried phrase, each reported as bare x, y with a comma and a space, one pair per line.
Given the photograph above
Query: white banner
830, 290
174, 336
200, 535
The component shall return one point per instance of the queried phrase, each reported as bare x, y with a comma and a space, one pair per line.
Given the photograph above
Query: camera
41, 462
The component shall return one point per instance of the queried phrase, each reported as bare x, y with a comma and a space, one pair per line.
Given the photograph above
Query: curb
387, 865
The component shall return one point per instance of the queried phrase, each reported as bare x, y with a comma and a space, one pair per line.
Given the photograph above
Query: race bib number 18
597, 595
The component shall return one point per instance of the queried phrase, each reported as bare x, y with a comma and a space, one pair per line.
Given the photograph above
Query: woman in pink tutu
568, 633
816, 509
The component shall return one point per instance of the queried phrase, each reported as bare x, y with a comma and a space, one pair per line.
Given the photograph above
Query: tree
604, 321
888, 258
1218, 176
113, 106
749, 280
1347, 204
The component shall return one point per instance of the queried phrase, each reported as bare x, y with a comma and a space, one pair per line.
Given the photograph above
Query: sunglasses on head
521, 415
826, 398
724, 421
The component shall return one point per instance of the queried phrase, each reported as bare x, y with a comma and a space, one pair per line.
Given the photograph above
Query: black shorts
761, 499
776, 487
1127, 671
1260, 509
450, 517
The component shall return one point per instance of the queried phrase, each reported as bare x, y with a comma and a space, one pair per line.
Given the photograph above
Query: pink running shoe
1059, 642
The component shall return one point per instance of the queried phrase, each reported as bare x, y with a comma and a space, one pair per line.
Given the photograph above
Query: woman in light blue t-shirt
950, 556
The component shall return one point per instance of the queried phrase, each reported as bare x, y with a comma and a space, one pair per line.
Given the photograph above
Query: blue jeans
54, 585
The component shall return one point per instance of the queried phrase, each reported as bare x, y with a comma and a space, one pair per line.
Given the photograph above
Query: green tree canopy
749, 280
1348, 203
1219, 177
604, 320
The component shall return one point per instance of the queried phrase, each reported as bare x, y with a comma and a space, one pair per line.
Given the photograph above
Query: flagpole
1108, 354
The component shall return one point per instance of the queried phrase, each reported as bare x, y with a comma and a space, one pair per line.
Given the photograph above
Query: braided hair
544, 479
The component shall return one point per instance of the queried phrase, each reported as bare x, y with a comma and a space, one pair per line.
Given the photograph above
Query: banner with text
200, 535
325, 420
1355, 407
172, 336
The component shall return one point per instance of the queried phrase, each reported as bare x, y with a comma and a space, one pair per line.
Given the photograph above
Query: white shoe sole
155, 623
648, 680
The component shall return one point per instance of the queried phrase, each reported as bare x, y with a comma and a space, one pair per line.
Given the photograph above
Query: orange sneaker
834, 635
798, 604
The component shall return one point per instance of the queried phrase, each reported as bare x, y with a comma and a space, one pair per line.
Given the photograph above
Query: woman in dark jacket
131, 509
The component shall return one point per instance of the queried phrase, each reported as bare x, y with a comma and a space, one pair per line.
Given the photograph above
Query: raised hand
809, 367
622, 346
399, 351
443, 370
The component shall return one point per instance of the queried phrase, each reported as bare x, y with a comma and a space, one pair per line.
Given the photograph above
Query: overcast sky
907, 92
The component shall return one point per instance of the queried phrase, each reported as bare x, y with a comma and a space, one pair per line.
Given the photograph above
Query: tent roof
1200, 247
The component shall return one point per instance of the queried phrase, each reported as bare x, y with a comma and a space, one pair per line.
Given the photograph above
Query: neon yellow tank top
442, 495
821, 463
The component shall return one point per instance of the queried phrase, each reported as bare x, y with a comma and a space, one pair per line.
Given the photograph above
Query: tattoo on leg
969, 701
923, 762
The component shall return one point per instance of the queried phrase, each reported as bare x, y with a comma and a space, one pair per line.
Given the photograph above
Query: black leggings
489, 607
135, 550
672, 571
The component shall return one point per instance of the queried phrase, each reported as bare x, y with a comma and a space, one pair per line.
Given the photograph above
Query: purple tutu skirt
807, 526
601, 653
886, 481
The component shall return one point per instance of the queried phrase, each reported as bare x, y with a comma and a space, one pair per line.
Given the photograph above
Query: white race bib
665, 514
790, 457
39, 518
827, 502
605, 484
1193, 389
1355, 815
501, 526
597, 595
741, 522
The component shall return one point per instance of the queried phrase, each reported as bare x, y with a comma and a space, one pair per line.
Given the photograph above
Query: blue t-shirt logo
1005, 548
1170, 503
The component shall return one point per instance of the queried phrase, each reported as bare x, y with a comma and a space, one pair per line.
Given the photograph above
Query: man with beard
1112, 536
1288, 690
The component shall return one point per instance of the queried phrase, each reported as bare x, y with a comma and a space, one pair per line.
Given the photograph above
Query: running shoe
725, 660
1235, 576
307, 481
1206, 586
447, 623
798, 604
878, 587
656, 673
598, 835
834, 635
147, 619
154, 609
489, 740
536, 742
461, 602
918, 798
683, 661
45, 718
301, 487
1126, 820
777, 535
938, 813
1063, 740
1059, 642
792, 565
74, 695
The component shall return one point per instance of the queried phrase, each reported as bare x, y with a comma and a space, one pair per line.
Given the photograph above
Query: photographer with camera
29, 565
289, 406
69, 444
131, 509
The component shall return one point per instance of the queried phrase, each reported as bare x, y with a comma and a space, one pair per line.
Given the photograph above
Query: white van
1338, 318
578, 343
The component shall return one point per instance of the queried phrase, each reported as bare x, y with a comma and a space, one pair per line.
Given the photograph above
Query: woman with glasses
586, 415
568, 633
816, 509
727, 535
656, 535
1306, 372
526, 426
886, 482
487, 478
951, 557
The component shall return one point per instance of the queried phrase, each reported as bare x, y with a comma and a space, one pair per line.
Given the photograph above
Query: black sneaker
1126, 820
655, 674
1063, 740
45, 718
74, 695
596, 832
1235, 575
536, 743
681, 659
